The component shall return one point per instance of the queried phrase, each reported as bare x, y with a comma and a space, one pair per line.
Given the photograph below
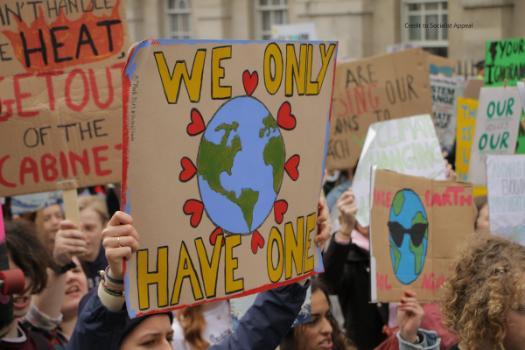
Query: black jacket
347, 274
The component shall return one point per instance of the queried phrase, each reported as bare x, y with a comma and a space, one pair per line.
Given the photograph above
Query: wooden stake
71, 206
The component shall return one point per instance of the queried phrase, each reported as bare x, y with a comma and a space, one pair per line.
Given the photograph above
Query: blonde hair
95, 203
193, 324
487, 283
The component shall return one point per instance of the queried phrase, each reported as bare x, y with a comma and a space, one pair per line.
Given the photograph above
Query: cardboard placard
472, 88
409, 146
497, 121
375, 89
417, 225
218, 176
61, 107
506, 196
504, 62
466, 125
445, 91
440, 65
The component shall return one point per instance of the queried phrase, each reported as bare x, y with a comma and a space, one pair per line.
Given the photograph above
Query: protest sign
504, 62
408, 145
217, 175
417, 226
61, 85
466, 122
520, 148
295, 31
496, 132
506, 196
472, 88
371, 90
440, 65
445, 91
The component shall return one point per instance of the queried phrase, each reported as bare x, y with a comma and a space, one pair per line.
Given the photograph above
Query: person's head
28, 254
322, 332
485, 297
76, 288
148, 332
482, 221
192, 323
47, 223
93, 218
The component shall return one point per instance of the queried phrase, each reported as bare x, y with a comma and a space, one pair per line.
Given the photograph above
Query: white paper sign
497, 122
445, 91
408, 146
296, 31
506, 196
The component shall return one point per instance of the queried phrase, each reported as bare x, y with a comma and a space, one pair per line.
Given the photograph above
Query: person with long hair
485, 296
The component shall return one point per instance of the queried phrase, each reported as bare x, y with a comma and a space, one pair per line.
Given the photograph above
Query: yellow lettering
219, 91
295, 71
185, 269
312, 87
326, 56
274, 272
273, 57
232, 285
209, 269
171, 81
159, 277
309, 261
293, 247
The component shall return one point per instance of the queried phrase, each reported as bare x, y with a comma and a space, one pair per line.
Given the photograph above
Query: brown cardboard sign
375, 89
417, 226
217, 175
61, 86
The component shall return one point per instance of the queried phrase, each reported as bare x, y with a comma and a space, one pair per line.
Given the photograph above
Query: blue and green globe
240, 165
408, 258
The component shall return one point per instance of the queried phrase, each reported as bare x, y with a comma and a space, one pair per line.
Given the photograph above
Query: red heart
197, 123
250, 81
279, 209
285, 118
292, 167
216, 233
194, 208
188, 169
257, 241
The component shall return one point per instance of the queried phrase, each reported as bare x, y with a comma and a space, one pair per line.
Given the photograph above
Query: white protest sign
408, 146
506, 196
445, 91
296, 31
497, 123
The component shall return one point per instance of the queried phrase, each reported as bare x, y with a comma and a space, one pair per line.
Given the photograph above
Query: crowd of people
74, 294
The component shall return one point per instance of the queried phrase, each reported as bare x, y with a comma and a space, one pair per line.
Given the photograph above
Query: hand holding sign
409, 316
69, 242
347, 209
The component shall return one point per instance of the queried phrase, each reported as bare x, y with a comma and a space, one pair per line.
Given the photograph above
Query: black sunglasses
416, 232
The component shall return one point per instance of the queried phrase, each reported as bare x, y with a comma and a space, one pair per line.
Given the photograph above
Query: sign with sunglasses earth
415, 228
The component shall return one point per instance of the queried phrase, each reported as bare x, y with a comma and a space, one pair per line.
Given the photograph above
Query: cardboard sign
416, 228
371, 90
218, 176
296, 31
497, 122
466, 123
445, 91
440, 65
472, 88
61, 87
504, 62
506, 196
409, 146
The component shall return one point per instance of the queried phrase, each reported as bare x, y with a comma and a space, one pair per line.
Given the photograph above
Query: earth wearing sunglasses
408, 235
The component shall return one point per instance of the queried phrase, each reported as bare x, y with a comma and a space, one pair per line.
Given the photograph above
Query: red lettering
85, 89
382, 282
83, 160
5, 115
99, 159
63, 165
430, 281
48, 163
28, 166
19, 95
50, 86
95, 90
3, 180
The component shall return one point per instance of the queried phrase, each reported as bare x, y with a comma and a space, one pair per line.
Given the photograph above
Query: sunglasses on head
416, 232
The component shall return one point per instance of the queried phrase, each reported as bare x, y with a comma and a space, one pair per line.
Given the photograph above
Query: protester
482, 221
485, 296
76, 287
47, 223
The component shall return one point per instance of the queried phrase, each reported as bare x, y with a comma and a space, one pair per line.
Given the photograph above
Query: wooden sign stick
71, 205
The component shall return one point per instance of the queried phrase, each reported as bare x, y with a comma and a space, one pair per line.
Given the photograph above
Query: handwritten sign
506, 196
218, 176
417, 226
504, 62
496, 132
466, 123
372, 90
409, 146
445, 91
61, 85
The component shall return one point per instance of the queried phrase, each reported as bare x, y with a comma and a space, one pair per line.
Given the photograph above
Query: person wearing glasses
485, 297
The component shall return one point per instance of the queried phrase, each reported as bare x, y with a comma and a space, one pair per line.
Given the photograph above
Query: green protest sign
504, 61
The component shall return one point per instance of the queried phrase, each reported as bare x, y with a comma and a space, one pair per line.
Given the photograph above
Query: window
268, 13
425, 24
179, 12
